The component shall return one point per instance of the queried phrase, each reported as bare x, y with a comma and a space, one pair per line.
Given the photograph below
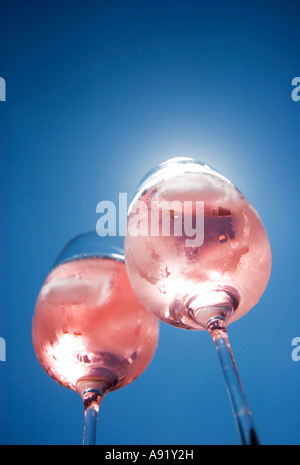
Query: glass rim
77, 249
154, 174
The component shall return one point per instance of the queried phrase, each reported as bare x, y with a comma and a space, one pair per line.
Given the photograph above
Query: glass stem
218, 330
91, 401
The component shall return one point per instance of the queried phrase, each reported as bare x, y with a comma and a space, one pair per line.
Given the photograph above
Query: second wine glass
90, 333
198, 257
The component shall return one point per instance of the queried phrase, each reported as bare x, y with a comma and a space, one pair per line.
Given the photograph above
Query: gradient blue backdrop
98, 93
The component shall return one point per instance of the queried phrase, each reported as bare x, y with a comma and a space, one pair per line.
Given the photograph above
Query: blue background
98, 93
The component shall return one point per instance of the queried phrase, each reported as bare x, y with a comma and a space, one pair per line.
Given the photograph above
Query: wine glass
90, 333
198, 257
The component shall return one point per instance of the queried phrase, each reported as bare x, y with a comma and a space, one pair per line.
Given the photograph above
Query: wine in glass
90, 333
199, 258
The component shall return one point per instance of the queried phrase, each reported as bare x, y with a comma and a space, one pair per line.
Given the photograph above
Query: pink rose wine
174, 277
89, 327
198, 257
